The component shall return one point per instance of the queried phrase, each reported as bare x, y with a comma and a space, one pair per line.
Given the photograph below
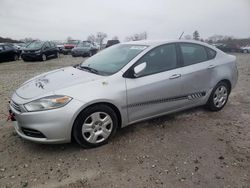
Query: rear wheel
219, 96
95, 126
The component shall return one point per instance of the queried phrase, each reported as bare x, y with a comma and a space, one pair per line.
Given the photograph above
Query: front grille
15, 106
32, 133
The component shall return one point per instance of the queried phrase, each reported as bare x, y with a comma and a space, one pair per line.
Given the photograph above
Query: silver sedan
122, 85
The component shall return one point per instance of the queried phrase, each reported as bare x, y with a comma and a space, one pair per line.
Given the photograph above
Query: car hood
80, 48
54, 80
31, 49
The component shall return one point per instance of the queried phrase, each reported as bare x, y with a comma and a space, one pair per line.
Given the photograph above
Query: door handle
211, 66
175, 76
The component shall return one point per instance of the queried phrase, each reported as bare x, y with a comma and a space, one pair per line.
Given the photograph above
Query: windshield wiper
89, 69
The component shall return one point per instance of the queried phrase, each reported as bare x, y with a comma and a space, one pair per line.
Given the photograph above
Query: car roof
154, 43
160, 42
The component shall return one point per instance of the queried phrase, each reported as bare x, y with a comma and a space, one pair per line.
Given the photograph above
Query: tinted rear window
211, 53
193, 53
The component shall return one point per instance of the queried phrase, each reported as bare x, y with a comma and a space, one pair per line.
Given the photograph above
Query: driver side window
159, 59
46, 46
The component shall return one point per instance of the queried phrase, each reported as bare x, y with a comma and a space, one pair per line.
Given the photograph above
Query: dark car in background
60, 47
84, 48
67, 47
111, 43
8, 53
229, 47
40, 50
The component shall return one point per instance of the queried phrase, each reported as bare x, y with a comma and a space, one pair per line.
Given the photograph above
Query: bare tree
100, 36
115, 38
137, 36
28, 39
91, 38
69, 39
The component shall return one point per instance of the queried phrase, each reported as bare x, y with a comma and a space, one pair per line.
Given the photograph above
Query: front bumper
66, 50
50, 126
78, 53
31, 56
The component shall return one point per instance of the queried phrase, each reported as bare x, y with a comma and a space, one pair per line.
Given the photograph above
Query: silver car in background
122, 85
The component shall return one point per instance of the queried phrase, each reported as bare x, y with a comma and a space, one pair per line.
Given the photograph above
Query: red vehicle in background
67, 47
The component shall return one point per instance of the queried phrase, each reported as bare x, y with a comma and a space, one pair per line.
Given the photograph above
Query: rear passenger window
159, 59
211, 53
8, 47
46, 45
193, 53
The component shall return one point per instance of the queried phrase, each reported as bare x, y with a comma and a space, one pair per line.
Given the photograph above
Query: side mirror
139, 69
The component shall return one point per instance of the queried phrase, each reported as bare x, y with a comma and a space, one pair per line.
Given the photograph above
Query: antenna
181, 35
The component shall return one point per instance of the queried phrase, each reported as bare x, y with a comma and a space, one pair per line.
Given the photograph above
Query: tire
95, 126
90, 54
245, 51
44, 57
57, 55
219, 96
15, 58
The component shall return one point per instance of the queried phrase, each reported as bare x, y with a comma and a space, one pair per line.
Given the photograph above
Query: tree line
218, 39
99, 38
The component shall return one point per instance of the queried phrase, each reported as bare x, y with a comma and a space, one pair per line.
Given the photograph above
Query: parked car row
232, 48
67, 47
40, 50
84, 48
43, 50
245, 49
8, 52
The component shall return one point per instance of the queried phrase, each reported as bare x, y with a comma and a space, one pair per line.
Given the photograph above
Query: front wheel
44, 57
16, 57
90, 54
57, 54
95, 126
219, 96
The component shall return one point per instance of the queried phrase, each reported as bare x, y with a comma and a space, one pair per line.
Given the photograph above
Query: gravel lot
194, 148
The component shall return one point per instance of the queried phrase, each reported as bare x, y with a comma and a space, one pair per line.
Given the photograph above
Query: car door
9, 52
54, 49
196, 72
47, 49
157, 90
2, 53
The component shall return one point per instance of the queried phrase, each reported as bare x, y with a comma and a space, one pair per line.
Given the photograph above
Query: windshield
72, 42
36, 44
83, 44
112, 59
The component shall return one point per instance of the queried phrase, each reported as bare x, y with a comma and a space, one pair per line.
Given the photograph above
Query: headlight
47, 103
37, 51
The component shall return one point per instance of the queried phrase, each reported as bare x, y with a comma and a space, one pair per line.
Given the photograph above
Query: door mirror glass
139, 69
